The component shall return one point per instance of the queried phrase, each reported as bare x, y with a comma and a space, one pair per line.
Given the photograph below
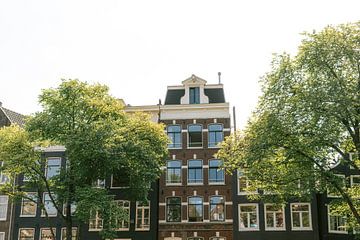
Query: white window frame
43, 211
188, 137
329, 194
166, 175
41, 229
22, 204
3, 178
301, 228
352, 180
2, 235
248, 218
121, 202
27, 229
215, 183
99, 183
216, 146
97, 220
73, 209
143, 208
6, 206
111, 184
74, 228
203, 209
247, 184
219, 221
328, 218
202, 171
46, 167
274, 217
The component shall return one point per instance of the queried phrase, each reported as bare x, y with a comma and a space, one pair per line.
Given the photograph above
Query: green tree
100, 140
306, 121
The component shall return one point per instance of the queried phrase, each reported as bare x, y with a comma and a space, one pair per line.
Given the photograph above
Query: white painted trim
27, 229
328, 194
328, 222
310, 218
7, 206
21, 207
257, 217
274, 228
352, 180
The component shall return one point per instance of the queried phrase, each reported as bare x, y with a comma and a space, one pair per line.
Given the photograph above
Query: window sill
217, 183
275, 229
338, 232
122, 229
142, 230
301, 229
195, 184
248, 229
173, 184
27, 216
194, 147
95, 230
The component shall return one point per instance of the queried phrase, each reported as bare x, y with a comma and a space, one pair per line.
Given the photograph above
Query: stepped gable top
211, 93
13, 117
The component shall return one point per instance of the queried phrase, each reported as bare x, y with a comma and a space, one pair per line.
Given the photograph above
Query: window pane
194, 95
26, 234
174, 134
217, 206
173, 209
28, 207
306, 219
53, 167
296, 219
3, 207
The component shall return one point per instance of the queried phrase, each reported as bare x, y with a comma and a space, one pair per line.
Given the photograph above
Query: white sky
138, 48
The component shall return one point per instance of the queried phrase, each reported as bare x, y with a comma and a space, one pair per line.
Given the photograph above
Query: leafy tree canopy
306, 121
100, 140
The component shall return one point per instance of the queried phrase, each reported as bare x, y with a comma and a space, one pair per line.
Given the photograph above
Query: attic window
194, 95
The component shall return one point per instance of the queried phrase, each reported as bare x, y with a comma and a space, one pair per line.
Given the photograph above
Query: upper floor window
124, 224
120, 181
143, 215
173, 209
195, 136
173, 172
194, 95
355, 180
74, 233
3, 207
49, 206
47, 234
243, 183
195, 209
300, 216
274, 217
26, 234
216, 134
72, 209
99, 183
217, 208
2, 236
336, 222
216, 174
248, 217
174, 134
332, 191
53, 166
3, 177
95, 221
195, 172
29, 205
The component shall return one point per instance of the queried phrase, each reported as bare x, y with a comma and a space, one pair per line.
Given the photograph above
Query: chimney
219, 74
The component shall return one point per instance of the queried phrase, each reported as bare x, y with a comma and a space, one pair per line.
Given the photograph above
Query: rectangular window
74, 234
243, 183
355, 180
173, 172
95, 221
29, 205
143, 215
2, 236
336, 222
123, 225
4, 200
217, 208
195, 136
332, 192
300, 216
216, 174
73, 209
248, 217
26, 234
195, 172
174, 134
99, 183
3, 178
274, 217
173, 209
53, 166
120, 181
194, 95
195, 209
216, 135
46, 234
49, 206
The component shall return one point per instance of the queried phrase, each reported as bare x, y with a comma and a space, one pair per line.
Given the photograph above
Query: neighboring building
195, 199
7, 118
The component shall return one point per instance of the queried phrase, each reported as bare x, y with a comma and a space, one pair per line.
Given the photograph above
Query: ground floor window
274, 217
217, 208
195, 209
143, 215
173, 209
125, 223
95, 221
74, 234
248, 217
336, 222
300, 216
26, 234
47, 234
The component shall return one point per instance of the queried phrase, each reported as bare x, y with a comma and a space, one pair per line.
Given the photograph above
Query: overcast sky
138, 48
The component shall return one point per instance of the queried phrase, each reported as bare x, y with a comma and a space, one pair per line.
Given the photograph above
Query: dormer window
194, 95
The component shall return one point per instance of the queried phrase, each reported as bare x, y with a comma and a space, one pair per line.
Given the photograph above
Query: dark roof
173, 96
14, 117
215, 95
